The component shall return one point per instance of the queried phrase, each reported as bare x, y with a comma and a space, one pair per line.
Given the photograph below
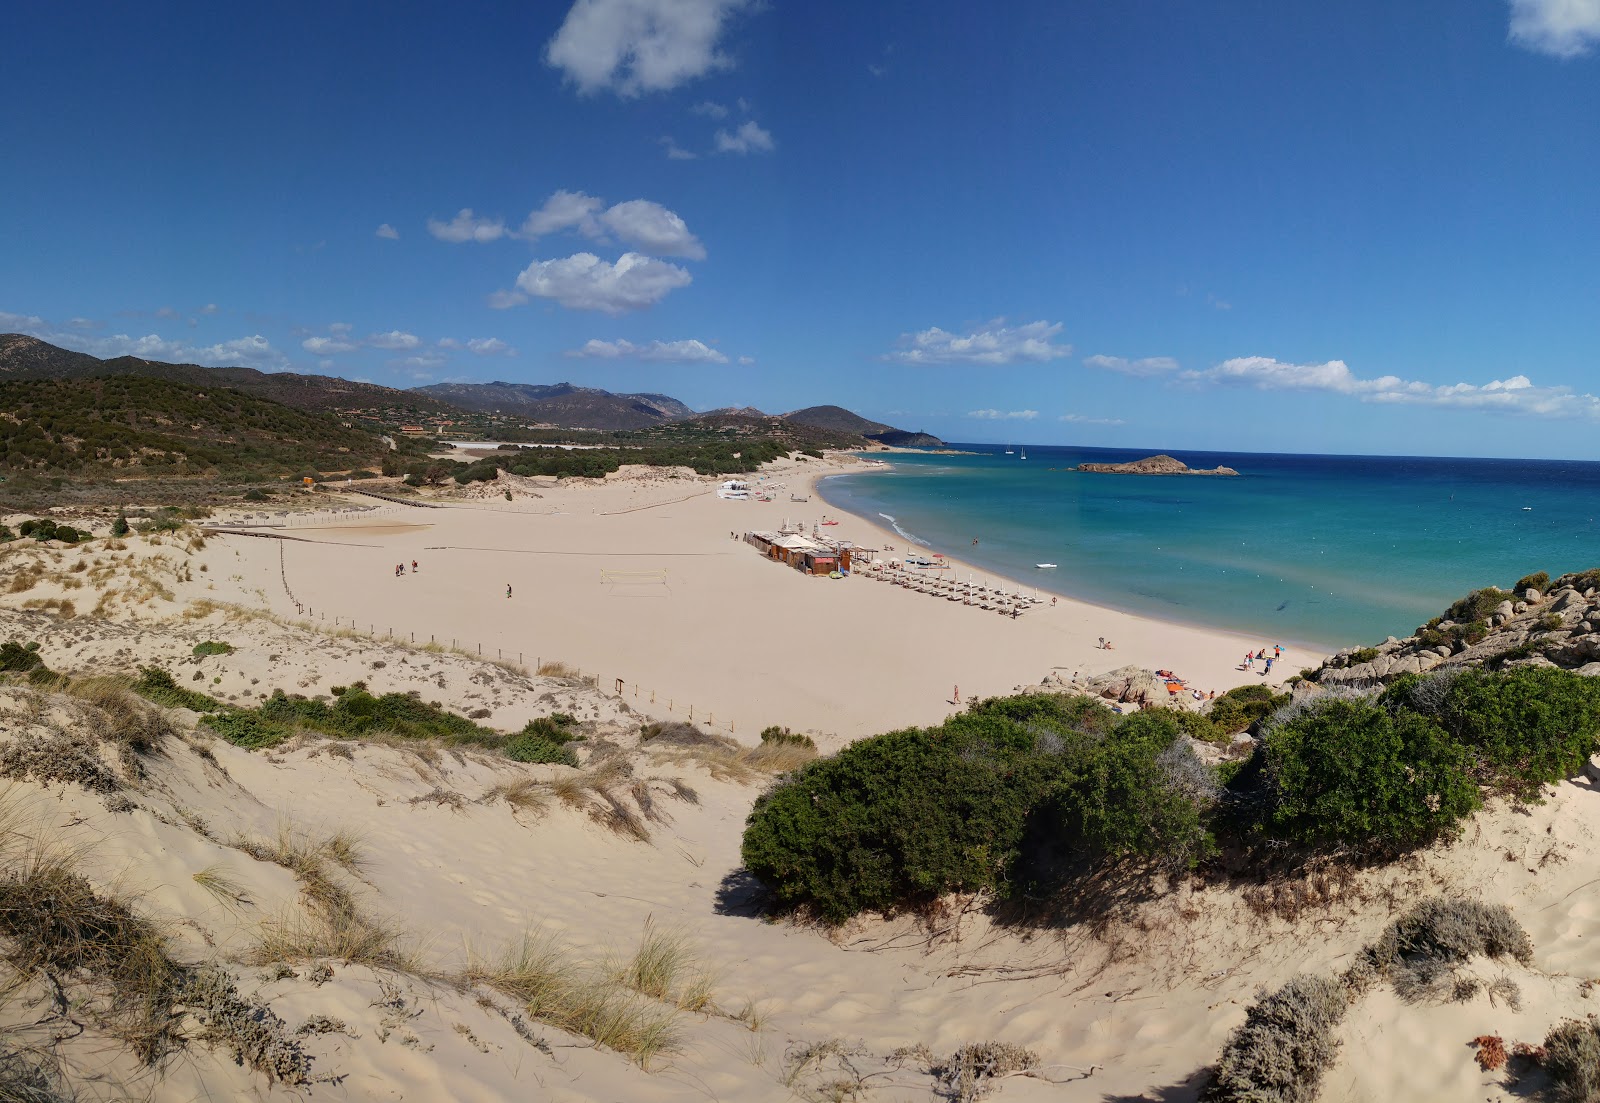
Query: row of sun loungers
977, 595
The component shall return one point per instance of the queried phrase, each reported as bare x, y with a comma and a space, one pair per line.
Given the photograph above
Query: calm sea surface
1327, 550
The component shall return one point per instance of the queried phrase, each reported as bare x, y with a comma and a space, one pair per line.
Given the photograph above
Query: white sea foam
896, 526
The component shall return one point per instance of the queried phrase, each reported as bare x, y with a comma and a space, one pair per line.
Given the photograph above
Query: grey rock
1565, 600
1505, 611
1521, 606
1531, 596
1589, 670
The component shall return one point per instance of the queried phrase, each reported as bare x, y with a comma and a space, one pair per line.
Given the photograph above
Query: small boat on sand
1045, 566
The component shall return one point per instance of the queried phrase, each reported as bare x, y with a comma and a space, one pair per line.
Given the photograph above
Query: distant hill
28, 358
564, 405
838, 419
139, 426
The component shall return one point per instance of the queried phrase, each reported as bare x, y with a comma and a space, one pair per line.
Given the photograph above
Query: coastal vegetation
1032, 796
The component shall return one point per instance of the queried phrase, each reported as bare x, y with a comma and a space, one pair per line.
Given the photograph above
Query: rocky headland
1153, 465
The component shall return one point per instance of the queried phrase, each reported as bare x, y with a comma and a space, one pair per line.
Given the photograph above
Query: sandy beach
642, 578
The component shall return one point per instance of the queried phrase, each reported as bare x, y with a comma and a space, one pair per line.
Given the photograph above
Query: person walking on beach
957, 697
508, 589
1277, 651
413, 566
1267, 672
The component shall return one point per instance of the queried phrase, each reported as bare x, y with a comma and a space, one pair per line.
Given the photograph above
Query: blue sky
1361, 227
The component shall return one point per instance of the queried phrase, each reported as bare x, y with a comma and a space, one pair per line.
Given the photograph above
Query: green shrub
1428, 942
69, 535
212, 647
20, 659
1016, 793
1539, 580
1572, 1060
1284, 1046
784, 737
357, 712
531, 748
156, 684
1478, 605
1348, 772
119, 527
1522, 728
6, 534
1551, 622
248, 728
551, 729
255, 494
1241, 707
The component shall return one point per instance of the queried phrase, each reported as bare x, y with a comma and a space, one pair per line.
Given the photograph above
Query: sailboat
1011, 451
1024, 453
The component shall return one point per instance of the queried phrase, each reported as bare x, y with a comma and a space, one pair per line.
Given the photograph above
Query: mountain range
560, 405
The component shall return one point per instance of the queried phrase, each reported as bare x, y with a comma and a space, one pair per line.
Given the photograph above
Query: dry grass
666, 967
565, 993
523, 795
556, 669
221, 884
744, 765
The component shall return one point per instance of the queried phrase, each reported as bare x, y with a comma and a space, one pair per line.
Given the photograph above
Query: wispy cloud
1085, 419
1003, 415
631, 47
388, 231
682, 352
465, 226
505, 300
674, 151
709, 109
1560, 28
1514, 395
997, 343
394, 340
489, 346
1149, 366
750, 137
585, 282
323, 346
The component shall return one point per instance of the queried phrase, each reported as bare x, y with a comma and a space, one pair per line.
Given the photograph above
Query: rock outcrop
1153, 465
1560, 627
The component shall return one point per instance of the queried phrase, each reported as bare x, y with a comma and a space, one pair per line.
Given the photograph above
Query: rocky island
1153, 465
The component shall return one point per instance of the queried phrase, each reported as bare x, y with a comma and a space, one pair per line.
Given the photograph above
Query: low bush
544, 739
1284, 1046
1016, 794
248, 729
1241, 707
1420, 951
1539, 580
155, 684
212, 647
1523, 728
20, 658
1572, 1060
1348, 772
1478, 605
783, 737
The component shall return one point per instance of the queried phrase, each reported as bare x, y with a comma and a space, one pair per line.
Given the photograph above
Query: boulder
1505, 611
1521, 606
1531, 596
1589, 670
1565, 600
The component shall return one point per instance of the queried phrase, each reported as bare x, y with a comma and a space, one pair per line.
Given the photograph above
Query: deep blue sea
1324, 550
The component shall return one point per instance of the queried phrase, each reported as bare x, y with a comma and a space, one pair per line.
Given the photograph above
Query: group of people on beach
1252, 657
400, 568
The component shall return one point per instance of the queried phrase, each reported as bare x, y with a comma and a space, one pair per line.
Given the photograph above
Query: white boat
1527, 509
1024, 454
1045, 566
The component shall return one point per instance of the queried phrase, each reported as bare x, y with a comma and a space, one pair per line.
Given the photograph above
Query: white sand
744, 642
1148, 1003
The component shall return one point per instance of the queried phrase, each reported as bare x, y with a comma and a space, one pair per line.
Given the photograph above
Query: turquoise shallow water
1324, 550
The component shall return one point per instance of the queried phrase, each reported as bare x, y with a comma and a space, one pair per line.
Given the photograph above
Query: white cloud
253, 351
585, 282
654, 229
489, 346
1516, 395
995, 344
1150, 365
681, 352
675, 152
634, 46
466, 227
20, 322
564, 210
394, 340
637, 222
1560, 28
449, 343
78, 323
209, 308
1003, 415
710, 110
1084, 419
340, 327
746, 361
389, 232
505, 300
749, 138
169, 313
322, 346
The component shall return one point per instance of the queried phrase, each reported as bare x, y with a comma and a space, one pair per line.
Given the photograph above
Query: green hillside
141, 427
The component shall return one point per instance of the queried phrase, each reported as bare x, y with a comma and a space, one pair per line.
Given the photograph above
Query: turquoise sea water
1323, 550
